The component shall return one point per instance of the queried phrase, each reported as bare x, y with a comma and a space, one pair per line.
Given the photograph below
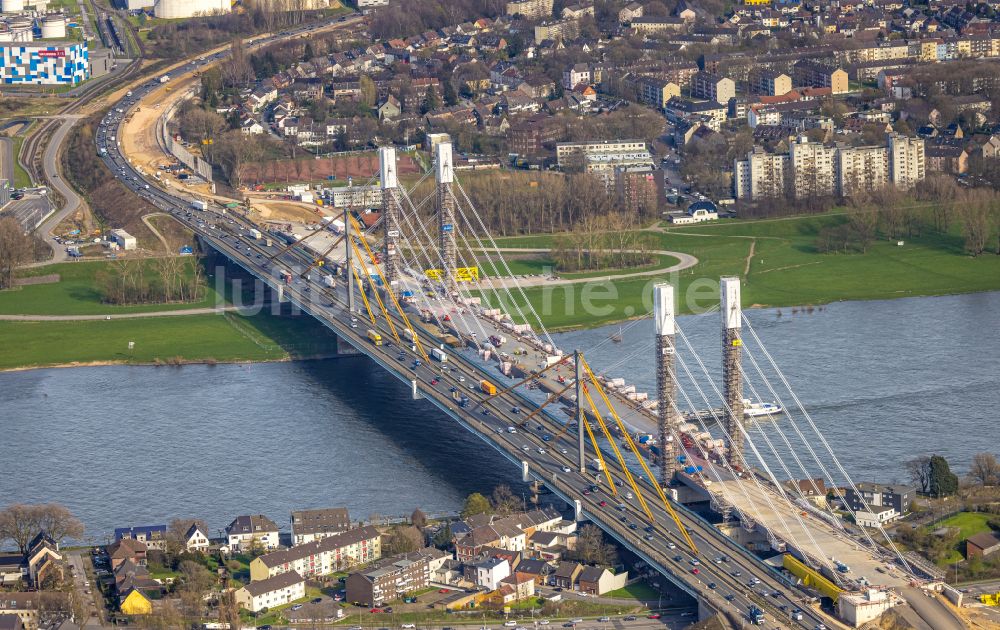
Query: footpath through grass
785, 269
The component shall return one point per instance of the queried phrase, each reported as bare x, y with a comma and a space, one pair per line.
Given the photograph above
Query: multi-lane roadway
721, 575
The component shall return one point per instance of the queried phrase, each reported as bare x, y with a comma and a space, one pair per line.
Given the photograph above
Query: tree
20, 523
419, 519
918, 469
403, 539
985, 469
591, 548
943, 482
15, 250
442, 539
368, 91
475, 503
450, 97
431, 101
503, 500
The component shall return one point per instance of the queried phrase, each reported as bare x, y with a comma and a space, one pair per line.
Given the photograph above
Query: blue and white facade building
44, 63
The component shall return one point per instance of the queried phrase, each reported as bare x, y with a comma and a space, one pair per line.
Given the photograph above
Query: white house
244, 530
490, 572
874, 519
696, 213
251, 127
274, 591
195, 539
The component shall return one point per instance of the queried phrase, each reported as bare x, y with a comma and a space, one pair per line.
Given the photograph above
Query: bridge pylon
664, 298
732, 354
391, 211
444, 175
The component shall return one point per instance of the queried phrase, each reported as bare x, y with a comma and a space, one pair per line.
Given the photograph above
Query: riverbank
780, 266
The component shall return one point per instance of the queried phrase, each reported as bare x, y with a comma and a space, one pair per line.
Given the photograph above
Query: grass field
76, 293
21, 177
640, 591
968, 524
784, 270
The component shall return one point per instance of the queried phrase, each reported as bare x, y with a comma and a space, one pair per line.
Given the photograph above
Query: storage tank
22, 29
12, 6
53, 27
173, 9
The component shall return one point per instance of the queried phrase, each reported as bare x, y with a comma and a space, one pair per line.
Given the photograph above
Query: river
124, 445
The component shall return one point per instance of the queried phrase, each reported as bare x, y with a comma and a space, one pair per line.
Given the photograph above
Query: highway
725, 577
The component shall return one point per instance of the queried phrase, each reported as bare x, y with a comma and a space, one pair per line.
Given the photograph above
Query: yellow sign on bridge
462, 274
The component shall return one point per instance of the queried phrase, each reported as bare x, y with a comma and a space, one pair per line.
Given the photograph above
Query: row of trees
158, 280
15, 250
20, 523
601, 242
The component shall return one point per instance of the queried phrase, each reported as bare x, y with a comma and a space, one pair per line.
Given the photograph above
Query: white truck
329, 281
255, 233
438, 355
597, 464
198, 204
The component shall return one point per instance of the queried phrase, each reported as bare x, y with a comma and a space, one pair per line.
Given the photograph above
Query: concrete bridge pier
345, 349
525, 476
414, 391
578, 510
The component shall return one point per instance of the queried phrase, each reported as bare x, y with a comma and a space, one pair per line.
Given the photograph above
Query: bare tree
985, 469
919, 470
504, 501
15, 250
20, 523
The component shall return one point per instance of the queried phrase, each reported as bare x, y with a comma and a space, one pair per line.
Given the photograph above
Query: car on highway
712, 585
567, 469
603, 503
629, 618
653, 616
695, 571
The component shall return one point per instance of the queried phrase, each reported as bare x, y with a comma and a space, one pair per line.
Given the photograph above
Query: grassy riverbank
780, 266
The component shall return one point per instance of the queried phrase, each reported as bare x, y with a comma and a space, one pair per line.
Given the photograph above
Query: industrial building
44, 63
124, 240
858, 609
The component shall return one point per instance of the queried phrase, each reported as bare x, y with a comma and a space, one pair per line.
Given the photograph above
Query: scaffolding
732, 378
390, 216
666, 387
444, 175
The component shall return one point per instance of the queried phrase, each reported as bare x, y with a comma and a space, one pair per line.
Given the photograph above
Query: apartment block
394, 577
321, 557
907, 164
601, 158
808, 73
531, 9
274, 591
762, 175
311, 525
712, 87
813, 168
770, 83
655, 92
862, 169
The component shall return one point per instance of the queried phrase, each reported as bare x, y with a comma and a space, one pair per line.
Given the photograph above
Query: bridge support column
580, 417
390, 216
414, 391
666, 385
345, 349
577, 510
349, 260
444, 175
280, 293
525, 476
732, 379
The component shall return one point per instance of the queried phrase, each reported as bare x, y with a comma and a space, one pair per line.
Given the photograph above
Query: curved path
79, 318
684, 261
152, 228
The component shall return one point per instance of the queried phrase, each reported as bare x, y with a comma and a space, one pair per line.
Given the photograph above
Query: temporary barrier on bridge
462, 274
990, 599
811, 578
199, 166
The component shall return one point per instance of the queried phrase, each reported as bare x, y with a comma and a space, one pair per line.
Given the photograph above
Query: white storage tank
173, 9
22, 29
12, 6
53, 27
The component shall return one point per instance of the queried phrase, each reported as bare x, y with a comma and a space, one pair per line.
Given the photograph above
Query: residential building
871, 496
557, 30
248, 530
655, 92
638, 189
323, 556
22, 605
10, 621
861, 169
763, 175
982, 545
534, 135
135, 603
946, 157
155, 536
712, 87
575, 75
514, 588
539, 570
274, 591
877, 518
126, 549
697, 212
310, 525
372, 4
195, 538
770, 83
41, 559
602, 157
489, 572
809, 73
566, 575
907, 163
531, 9
600, 580
813, 166
655, 25
629, 12
390, 579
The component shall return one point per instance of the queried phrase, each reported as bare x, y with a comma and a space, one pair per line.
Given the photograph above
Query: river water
136, 445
